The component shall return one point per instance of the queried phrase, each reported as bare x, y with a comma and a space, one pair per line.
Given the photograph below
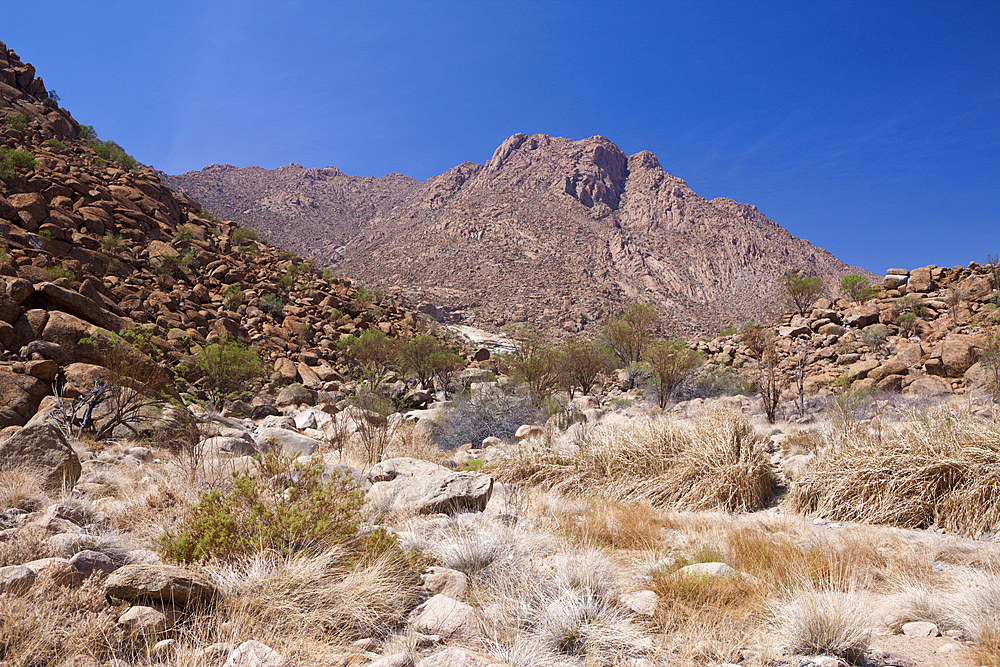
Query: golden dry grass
941, 471
717, 462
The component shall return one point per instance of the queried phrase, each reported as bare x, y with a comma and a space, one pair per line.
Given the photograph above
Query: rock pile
922, 334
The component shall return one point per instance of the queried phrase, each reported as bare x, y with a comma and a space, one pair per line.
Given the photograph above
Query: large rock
79, 305
20, 396
41, 450
427, 488
920, 280
861, 316
16, 579
287, 442
957, 353
159, 583
256, 654
451, 619
889, 367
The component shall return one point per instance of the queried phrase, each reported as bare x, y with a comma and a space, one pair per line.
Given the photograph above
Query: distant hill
549, 231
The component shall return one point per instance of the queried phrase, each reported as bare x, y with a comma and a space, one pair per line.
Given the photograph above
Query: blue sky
870, 128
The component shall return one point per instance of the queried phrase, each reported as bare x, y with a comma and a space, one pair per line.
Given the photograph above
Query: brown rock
79, 305
445, 581
159, 583
16, 579
920, 280
285, 368
149, 620
889, 367
42, 450
43, 369
957, 354
31, 209
441, 615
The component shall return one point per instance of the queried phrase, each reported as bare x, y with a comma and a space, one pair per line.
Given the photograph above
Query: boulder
861, 316
141, 619
287, 442
20, 396
920, 280
159, 583
79, 305
257, 654
926, 386
42, 450
16, 579
957, 353
445, 581
433, 494
459, 657
920, 629
451, 619
894, 366
92, 563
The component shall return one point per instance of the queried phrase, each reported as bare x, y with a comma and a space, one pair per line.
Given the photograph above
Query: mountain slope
549, 230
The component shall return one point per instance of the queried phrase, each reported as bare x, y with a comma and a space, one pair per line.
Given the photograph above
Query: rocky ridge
91, 245
547, 231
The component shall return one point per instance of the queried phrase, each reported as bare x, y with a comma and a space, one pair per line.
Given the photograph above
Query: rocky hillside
91, 241
549, 231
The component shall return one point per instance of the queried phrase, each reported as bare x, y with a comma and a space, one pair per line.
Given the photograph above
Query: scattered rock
442, 615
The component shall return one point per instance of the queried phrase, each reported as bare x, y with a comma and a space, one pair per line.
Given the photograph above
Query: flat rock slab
921, 629
287, 442
158, 583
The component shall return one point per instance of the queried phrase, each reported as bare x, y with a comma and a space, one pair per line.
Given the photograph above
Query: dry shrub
825, 622
50, 623
322, 599
22, 491
932, 471
719, 462
27, 544
413, 442
612, 524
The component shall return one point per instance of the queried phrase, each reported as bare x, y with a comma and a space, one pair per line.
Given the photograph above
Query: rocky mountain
92, 243
548, 231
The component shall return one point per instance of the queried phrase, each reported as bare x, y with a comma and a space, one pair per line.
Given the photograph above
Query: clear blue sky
870, 128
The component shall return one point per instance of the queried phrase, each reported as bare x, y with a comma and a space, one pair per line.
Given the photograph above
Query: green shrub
228, 367
18, 121
327, 274
55, 143
535, 363
582, 362
875, 336
858, 288
283, 506
286, 281
87, 132
232, 297
183, 234
109, 151
271, 304
415, 357
56, 272
801, 290
47, 234
630, 333
51, 99
112, 243
373, 352
169, 265
243, 235
13, 160
251, 249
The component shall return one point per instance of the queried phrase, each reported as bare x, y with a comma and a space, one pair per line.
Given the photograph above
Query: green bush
87, 132
242, 235
582, 361
271, 304
55, 143
228, 367
18, 121
112, 243
858, 288
13, 160
535, 363
47, 234
232, 297
373, 352
283, 506
56, 272
183, 234
109, 151
801, 290
629, 334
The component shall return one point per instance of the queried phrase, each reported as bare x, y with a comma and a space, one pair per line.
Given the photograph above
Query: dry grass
931, 471
51, 623
825, 622
21, 491
718, 462
614, 524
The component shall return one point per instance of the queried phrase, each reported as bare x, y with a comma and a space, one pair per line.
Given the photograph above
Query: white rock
920, 629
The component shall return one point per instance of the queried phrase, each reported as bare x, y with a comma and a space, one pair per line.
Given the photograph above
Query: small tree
445, 364
629, 334
875, 336
534, 362
415, 357
372, 351
857, 288
582, 361
953, 298
763, 346
801, 290
672, 362
227, 367
989, 357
